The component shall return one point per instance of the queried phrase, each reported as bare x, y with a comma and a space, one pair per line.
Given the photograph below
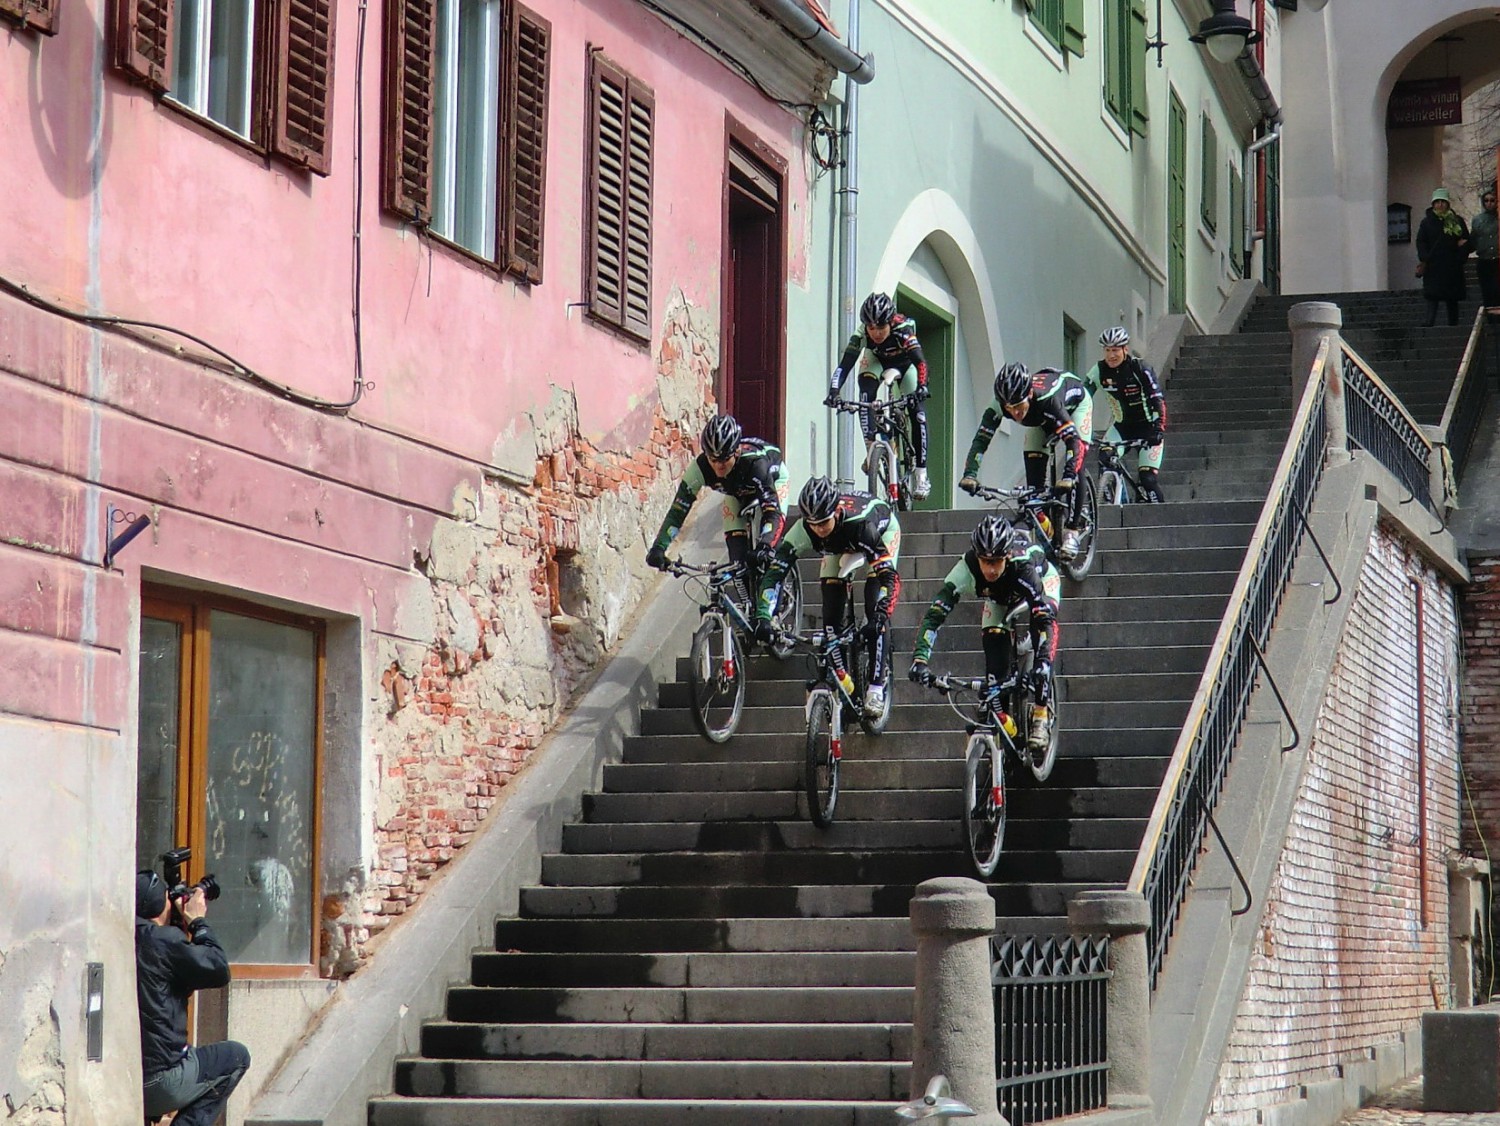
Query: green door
1271, 252
935, 331
1177, 208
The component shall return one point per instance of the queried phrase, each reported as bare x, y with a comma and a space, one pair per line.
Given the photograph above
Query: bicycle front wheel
1111, 488
821, 777
1077, 568
788, 616
1041, 762
863, 677
984, 804
716, 678
880, 478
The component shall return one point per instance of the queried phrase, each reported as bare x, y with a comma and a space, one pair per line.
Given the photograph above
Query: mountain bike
892, 454
716, 662
1046, 512
992, 717
1116, 483
836, 693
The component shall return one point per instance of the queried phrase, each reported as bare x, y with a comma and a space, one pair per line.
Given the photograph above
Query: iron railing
1051, 1025
1201, 758
1466, 402
1379, 424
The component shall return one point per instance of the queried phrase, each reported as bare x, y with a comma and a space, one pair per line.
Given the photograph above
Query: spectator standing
1443, 243
1486, 231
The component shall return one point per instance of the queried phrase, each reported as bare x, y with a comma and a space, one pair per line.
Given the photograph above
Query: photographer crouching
176, 954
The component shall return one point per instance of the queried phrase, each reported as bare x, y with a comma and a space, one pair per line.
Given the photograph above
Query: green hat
1440, 194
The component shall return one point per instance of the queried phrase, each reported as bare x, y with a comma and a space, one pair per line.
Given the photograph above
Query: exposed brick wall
529, 594
1343, 959
1481, 707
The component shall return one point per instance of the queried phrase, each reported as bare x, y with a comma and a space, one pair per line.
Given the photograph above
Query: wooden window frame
1125, 64
628, 308
31, 15
1208, 185
407, 164
1060, 21
191, 610
291, 116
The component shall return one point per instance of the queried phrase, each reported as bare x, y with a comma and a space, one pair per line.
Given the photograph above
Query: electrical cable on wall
242, 371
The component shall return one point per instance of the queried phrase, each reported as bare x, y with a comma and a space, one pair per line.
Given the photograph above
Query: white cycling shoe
1040, 731
1071, 542
874, 700
921, 487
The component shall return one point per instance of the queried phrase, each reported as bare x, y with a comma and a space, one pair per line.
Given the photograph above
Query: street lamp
1226, 34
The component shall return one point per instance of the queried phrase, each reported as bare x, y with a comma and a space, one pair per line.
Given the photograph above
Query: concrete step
726, 934
800, 835
518, 1004
641, 1041
652, 1079
832, 969
397, 1111
864, 805
908, 867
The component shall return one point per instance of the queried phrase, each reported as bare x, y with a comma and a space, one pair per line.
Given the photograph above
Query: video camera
172, 864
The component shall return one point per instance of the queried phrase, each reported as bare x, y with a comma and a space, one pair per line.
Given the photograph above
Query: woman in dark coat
1442, 245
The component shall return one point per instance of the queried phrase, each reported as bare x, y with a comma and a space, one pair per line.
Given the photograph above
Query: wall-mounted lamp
134, 526
1226, 33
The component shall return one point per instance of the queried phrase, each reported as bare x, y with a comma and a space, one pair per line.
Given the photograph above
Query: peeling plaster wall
1345, 959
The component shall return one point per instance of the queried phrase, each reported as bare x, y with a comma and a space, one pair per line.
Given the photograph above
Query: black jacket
168, 968
1442, 259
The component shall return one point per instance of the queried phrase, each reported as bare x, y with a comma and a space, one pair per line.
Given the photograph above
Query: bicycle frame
1029, 505
892, 444
1112, 459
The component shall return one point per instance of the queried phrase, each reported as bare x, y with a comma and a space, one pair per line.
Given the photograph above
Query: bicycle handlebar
678, 568
858, 406
1026, 494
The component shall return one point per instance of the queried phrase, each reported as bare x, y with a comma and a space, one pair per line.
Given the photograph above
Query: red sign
1425, 102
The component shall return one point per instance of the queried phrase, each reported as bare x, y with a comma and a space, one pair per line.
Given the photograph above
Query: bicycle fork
836, 722
725, 672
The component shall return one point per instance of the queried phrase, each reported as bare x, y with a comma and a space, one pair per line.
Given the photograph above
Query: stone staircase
699, 953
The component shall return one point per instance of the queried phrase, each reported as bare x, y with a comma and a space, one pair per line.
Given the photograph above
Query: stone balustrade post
1125, 918
1310, 322
953, 1013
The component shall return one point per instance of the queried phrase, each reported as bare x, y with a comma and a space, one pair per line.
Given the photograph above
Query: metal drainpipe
1252, 236
848, 244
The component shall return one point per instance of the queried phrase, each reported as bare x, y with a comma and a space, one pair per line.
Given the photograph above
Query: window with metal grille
1061, 21
38, 15
622, 119
1125, 63
466, 125
261, 71
1209, 189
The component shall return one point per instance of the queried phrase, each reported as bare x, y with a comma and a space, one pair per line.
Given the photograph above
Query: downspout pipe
804, 26
1252, 234
843, 424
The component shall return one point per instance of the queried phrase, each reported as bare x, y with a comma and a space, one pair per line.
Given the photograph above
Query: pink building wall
498, 423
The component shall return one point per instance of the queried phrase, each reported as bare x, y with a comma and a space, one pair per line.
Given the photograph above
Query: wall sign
1398, 222
1425, 102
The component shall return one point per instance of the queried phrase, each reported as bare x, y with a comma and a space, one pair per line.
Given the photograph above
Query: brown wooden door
755, 326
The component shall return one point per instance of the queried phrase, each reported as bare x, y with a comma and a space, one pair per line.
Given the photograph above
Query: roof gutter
805, 27
1260, 89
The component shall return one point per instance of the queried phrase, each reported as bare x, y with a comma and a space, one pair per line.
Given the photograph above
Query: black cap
150, 894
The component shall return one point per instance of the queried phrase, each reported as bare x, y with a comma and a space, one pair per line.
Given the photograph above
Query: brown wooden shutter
302, 120
143, 41
606, 252
638, 212
39, 15
528, 65
410, 60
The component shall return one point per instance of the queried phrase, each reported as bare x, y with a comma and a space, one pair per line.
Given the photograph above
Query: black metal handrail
1467, 400
1379, 424
1201, 760
1051, 1025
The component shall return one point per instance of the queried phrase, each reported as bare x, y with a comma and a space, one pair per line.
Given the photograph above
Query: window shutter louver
529, 54
1073, 27
143, 41
411, 57
1139, 115
39, 15
606, 251
638, 215
301, 126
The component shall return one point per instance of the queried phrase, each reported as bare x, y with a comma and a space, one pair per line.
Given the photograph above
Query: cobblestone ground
1402, 1106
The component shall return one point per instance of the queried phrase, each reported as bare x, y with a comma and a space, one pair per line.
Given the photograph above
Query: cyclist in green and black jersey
840, 526
1053, 406
1006, 567
1136, 401
749, 472
887, 339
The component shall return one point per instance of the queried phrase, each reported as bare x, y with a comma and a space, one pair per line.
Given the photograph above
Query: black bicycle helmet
818, 500
990, 537
1117, 337
721, 437
1013, 383
878, 309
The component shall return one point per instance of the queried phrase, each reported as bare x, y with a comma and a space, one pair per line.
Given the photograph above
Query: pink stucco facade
500, 427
